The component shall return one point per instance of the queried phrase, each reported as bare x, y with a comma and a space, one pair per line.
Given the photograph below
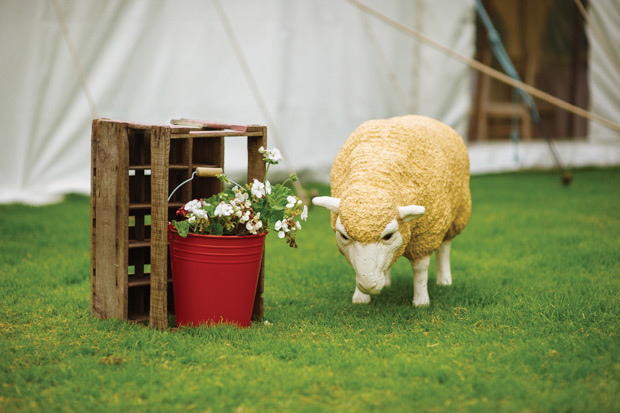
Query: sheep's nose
367, 287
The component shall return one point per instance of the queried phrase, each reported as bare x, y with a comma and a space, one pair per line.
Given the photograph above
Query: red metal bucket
214, 277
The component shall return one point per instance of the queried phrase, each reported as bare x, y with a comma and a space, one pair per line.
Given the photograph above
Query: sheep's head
371, 232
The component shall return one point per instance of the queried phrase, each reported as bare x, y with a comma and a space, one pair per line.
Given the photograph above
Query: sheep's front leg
420, 282
444, 276
360, 298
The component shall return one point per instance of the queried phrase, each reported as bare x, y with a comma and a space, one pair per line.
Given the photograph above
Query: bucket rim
172, 229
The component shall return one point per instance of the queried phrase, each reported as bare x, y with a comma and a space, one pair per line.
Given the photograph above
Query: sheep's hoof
444, 282
421, 302
360, 298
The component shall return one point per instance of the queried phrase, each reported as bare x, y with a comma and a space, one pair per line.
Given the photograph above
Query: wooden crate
134, 168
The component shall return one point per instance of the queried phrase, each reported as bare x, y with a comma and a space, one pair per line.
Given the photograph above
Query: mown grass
531, 322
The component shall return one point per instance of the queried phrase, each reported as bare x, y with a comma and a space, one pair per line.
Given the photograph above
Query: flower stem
266, 172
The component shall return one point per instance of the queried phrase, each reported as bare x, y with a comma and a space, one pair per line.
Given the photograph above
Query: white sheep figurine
399, 187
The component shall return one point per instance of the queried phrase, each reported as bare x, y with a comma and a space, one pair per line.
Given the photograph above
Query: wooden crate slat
139, 243
212, 134
256, 170
109, 232
160, 149
145, 126
188, 149
207, 124
93, 215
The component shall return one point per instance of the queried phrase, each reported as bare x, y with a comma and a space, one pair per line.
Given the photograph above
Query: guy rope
487, 70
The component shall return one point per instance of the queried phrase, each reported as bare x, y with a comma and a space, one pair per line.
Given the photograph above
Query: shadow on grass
464, 293
333, 308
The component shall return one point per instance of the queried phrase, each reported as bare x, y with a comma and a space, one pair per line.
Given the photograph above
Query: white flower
253, 227
223, 210
200, 213
291, 201
191, 219
281, 234
271, 155
241, 197
268, 187
192, 205
297, 225
275, 156
258, 189
304, 213
281, 225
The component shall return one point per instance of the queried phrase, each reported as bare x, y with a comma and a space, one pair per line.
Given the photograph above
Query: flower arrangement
254, 209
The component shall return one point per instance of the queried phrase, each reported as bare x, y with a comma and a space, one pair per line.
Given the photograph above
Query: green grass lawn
531, 321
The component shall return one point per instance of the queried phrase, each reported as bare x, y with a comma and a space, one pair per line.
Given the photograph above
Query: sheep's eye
344, 237
388, 236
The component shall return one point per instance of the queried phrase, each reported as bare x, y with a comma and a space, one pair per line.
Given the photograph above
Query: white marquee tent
320, 68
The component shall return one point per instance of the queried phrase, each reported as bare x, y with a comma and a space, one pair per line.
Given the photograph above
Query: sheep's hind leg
360, 298
420, 282
444, 276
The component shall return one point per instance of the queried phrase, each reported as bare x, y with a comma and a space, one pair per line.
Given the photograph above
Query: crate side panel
109, 297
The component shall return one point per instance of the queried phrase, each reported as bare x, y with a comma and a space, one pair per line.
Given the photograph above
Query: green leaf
210, 209
277, 200
182, 227
216, 228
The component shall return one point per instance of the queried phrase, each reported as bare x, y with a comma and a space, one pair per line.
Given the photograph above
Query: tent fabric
322, 67
604, 68
152, 61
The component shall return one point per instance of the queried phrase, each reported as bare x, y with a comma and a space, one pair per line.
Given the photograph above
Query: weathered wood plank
93, 215
212, 134
206, 124
147, 126
256, 166
110, 229
256, 170
160, 150
188, 149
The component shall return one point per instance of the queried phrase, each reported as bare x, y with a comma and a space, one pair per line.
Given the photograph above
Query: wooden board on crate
134, 168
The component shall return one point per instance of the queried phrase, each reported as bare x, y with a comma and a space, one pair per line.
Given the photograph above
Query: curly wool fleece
407, 160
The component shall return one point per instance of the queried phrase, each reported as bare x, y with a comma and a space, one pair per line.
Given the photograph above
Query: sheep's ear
410, 212
333, 204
